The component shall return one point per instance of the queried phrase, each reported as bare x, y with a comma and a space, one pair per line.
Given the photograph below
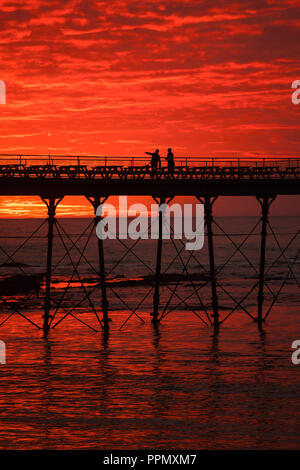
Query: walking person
171, 163
155, 162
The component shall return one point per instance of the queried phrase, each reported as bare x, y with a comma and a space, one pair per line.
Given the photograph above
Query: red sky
121, 77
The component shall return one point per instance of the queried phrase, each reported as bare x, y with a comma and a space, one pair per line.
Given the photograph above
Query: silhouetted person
155, 161
171, 163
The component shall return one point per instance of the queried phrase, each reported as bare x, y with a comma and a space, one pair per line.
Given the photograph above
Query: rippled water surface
177, 386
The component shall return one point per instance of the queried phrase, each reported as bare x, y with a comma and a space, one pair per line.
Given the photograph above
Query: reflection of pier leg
265, 203
51, 204
103, 284
104, 303
208, 205
158, 265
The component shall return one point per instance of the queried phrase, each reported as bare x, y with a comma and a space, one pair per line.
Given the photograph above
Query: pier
51, 178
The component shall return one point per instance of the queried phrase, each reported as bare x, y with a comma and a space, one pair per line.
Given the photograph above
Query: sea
176, 385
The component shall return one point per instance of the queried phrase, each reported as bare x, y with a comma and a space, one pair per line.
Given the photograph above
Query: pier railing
127, 167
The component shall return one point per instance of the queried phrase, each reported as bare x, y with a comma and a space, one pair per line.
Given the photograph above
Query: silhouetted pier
97, 178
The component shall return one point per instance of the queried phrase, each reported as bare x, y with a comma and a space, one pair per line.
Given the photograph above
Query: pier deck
97, 178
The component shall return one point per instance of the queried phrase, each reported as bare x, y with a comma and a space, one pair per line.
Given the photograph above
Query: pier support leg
155, 313
265, 203
96, 201
208, 205
51, 204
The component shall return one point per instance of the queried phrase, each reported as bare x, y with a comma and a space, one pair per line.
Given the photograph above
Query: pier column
96, 201
156, 295
51, 203
265, 203
208, 206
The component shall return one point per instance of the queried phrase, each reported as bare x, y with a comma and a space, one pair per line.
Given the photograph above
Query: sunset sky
121, 77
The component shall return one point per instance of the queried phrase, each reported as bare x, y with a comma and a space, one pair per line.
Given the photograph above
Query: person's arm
148, 153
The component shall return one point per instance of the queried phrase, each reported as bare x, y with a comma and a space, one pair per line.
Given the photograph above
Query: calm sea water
177, 386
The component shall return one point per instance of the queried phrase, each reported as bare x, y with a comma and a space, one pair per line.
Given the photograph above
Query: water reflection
47, 392
151, 386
